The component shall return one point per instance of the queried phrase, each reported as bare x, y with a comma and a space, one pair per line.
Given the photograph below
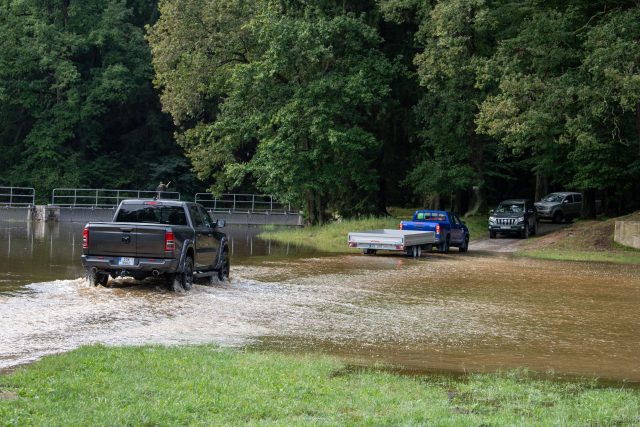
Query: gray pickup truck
175, 240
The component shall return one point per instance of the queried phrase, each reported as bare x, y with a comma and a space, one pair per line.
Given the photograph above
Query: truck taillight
85, 238
353, 245
169, 243
437, 228
400, 226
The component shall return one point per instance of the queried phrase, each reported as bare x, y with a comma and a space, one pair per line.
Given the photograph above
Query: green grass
203, 385
332, 237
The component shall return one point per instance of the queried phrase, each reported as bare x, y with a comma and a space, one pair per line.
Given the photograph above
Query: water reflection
44, 251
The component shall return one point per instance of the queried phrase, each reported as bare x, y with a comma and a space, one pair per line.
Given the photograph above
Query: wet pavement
479, 311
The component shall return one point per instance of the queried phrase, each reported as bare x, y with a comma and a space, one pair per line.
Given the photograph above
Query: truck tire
369, 251
96, 278
464, 247
223, 273
444, 246
492, 234
183, 281
525, 233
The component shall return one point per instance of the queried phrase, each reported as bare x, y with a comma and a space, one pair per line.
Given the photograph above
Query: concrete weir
105, 214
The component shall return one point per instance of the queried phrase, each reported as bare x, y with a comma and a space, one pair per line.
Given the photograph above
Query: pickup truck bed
410, 242
449, 230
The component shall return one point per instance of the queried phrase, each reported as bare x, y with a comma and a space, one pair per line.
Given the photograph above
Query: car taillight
85, 238
400, 226
437, 228
169, 243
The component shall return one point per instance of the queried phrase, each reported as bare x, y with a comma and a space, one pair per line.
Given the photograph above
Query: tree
289, 98
76, 96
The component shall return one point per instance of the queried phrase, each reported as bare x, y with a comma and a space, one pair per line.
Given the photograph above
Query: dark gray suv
513, 216
562, 206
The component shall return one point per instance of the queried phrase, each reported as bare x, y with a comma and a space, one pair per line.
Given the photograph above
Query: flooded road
478, 312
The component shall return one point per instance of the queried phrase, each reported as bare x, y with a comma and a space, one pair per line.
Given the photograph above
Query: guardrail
102, 197
243, 203
17, 197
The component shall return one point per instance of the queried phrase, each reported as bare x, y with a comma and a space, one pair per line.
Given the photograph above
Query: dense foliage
338, 107
77, 106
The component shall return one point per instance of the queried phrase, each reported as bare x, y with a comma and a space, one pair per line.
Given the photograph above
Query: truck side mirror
220, 223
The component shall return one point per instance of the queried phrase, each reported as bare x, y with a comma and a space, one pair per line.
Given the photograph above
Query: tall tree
76, 96
289, 100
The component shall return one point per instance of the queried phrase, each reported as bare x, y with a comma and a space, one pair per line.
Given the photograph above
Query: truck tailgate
126, 239
112, 239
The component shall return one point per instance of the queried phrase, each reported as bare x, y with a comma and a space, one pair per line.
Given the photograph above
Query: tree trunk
475, 198
311, 207
589, 203
638, 124
541, 185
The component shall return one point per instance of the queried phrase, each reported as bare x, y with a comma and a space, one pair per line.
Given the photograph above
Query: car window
569, 198
153, 213
553, 198
420, 216
577, 198
206, 218
198, 221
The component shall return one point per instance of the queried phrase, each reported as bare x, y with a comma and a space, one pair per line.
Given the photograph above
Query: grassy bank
590, 240
202, 385
332, 237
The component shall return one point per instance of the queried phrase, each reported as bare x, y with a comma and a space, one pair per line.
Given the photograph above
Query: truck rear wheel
444, 246
96, 278
183, 281
223, 273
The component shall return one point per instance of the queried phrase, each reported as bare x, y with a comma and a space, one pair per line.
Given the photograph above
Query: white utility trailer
408, 241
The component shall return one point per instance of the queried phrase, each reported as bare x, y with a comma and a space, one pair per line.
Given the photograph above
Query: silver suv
558, 207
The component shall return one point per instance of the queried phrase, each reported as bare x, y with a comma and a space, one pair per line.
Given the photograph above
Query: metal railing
17, 197
102, 197
243, 203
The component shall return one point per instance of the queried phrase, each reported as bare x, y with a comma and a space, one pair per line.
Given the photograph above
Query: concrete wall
259, 218
628, 233
83, 215
14, 214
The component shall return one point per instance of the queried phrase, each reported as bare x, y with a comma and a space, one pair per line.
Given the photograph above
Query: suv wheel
534, 230
557, 217
492, 234
525, 233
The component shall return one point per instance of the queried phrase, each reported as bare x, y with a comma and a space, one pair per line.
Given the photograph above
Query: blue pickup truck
450, 231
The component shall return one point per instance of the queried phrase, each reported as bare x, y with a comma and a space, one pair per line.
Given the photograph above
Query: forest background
339, 107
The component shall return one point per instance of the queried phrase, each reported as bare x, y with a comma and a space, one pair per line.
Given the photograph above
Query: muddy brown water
477, 312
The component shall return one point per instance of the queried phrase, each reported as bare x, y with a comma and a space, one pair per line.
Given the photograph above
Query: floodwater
475, 312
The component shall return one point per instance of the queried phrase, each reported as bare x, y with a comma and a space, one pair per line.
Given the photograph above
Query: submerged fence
17, 197
102, 197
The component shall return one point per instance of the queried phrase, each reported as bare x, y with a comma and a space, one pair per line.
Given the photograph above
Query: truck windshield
155, 214
557, 198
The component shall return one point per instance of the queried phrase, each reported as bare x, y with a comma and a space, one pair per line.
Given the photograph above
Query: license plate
126, 261
372, 246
